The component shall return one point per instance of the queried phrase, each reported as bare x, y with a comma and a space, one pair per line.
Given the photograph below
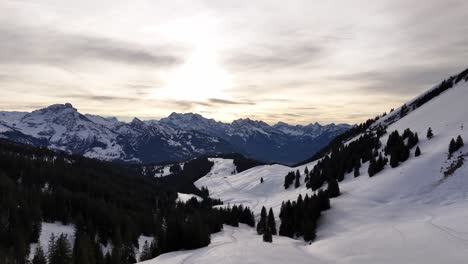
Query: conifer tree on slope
267, 237
417, 153
61, 250
271, 222
452, 147
459, 142
145, 252
262, 223
297, 182
39, 256
83, 252
429, 134
333, 188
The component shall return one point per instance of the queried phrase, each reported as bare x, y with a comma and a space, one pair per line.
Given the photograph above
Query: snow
69, 230
4, 128
184, 197
162, 171
245, 187
240, 245
53, 228
408, 214
141, 242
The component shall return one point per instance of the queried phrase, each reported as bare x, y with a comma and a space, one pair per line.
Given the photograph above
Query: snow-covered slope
409, 214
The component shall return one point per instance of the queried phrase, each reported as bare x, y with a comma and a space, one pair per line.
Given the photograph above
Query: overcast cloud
297, 61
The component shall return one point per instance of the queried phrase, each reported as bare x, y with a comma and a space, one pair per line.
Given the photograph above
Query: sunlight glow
201, 76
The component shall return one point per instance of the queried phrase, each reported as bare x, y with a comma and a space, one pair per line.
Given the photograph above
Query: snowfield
409, 214
241, 245
56, 229
184, 197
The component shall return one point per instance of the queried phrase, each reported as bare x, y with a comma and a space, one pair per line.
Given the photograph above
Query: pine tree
309, 230
51, 248
459, 142
267, 237
429, 134
271, 222
417, 153
288, 179
356, 172
297, 182
404, 153
83, 252
39, 256
372, 170
333, 188
262, 223
404, 110
452, 147
61, 253
145, 252
394, 159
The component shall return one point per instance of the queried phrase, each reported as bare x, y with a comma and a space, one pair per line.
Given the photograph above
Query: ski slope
240, 245
408, 214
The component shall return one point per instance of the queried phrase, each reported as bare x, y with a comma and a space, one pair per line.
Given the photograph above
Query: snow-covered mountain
177, 137
414, 213
62, 127
280, 142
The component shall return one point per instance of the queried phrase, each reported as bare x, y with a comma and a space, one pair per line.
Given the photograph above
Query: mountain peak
248, 121
136, 121
59, 107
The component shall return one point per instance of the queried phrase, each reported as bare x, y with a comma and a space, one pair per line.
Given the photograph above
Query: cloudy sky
298, 61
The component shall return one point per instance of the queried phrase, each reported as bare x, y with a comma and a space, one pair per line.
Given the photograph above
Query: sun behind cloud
201, 77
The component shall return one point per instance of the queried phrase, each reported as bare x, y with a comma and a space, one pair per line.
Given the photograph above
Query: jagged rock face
176, 137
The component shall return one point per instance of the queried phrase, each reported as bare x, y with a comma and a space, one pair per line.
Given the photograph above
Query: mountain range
174, 138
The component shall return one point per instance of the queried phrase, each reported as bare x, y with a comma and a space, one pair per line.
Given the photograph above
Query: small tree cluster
59, 251
455, 145
377, 165
238, 214
397, 149
299, 218
343, 159
412, 138
267, 225
289, 179
403, 110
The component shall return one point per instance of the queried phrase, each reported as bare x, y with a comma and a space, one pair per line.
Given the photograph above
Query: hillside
414, 213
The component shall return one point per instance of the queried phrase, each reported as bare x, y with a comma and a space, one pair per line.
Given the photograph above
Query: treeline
293, 177
108, 205
338, 140
182, 178
299, 218
344, 159
455, 145
266, 226
442, 87
396, 147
